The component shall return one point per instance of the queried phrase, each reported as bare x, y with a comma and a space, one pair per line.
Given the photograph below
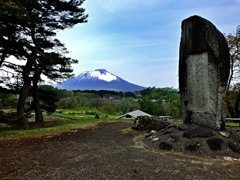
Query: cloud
117, 6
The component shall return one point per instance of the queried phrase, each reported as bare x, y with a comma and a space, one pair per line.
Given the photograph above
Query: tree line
155, 101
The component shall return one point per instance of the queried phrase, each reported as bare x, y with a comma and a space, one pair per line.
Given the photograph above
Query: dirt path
107, 151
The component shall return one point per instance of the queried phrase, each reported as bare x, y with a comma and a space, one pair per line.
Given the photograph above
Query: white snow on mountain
101, 74
99, 79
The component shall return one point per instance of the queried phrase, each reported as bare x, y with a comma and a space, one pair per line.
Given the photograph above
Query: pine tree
28, 33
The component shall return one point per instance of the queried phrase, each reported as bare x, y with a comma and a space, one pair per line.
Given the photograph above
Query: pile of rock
196, 140
151, 123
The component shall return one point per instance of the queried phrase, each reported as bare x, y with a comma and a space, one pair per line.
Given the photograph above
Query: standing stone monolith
203, 73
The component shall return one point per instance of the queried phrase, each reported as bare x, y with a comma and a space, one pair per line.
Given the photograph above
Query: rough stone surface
197, 143
166, 146
199, 131
183, 127
235, 135
174, 138
203, 73
193, 146
215, 143
234, 146
151, 123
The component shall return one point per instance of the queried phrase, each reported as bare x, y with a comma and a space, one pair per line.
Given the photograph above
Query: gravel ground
107, 151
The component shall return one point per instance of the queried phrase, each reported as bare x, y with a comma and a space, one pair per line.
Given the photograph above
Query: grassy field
66, 122
59, 127
56, 124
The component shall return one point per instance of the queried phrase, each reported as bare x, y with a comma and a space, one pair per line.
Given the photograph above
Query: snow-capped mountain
99, 79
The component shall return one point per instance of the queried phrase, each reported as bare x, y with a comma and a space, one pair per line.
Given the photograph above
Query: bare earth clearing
106, 151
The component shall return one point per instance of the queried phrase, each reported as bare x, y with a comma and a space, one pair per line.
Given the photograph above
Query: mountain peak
100, 74
99, 79
101, 70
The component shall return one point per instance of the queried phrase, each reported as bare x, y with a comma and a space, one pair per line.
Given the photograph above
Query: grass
64, 124
59, 127
232, 124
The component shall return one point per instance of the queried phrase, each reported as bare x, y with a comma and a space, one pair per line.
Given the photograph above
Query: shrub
8, 118
96, 116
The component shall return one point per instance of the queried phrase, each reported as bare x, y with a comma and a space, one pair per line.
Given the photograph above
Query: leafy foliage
234, 49
27, 32
165, 101
232, 99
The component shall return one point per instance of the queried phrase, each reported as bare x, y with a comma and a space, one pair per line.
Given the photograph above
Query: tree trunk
22, 120
36, 103
237, 112
231, 73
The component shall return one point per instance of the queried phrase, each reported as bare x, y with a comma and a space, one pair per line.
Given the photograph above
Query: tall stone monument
203, 73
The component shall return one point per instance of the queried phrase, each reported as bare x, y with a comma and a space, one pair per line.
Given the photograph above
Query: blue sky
138, 40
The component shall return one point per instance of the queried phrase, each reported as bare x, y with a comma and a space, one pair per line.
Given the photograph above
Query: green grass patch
232, 124
59, 127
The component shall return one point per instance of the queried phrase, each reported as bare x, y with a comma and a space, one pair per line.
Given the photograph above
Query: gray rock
151, 123
203, 73
200, 131
215, 143
167, 132
183, 127
235, 135
234, 146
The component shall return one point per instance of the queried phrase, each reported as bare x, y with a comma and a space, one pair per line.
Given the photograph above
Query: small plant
90, 112
8, 118
96, 116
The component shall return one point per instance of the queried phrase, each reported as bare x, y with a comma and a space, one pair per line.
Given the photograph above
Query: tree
145, 101
234, 49
161, 101
49, 96
232, 99
128, 104
33, 27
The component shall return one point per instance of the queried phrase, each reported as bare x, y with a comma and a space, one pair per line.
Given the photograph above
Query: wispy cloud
127, 5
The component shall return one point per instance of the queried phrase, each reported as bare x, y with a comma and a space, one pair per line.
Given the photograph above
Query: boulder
203, 73
235, 135
166, 146
151, 123
215, 143
199, 131
234, 146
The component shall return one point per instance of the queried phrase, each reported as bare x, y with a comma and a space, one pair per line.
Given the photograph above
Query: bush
90, 112
96, 116
8, 118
